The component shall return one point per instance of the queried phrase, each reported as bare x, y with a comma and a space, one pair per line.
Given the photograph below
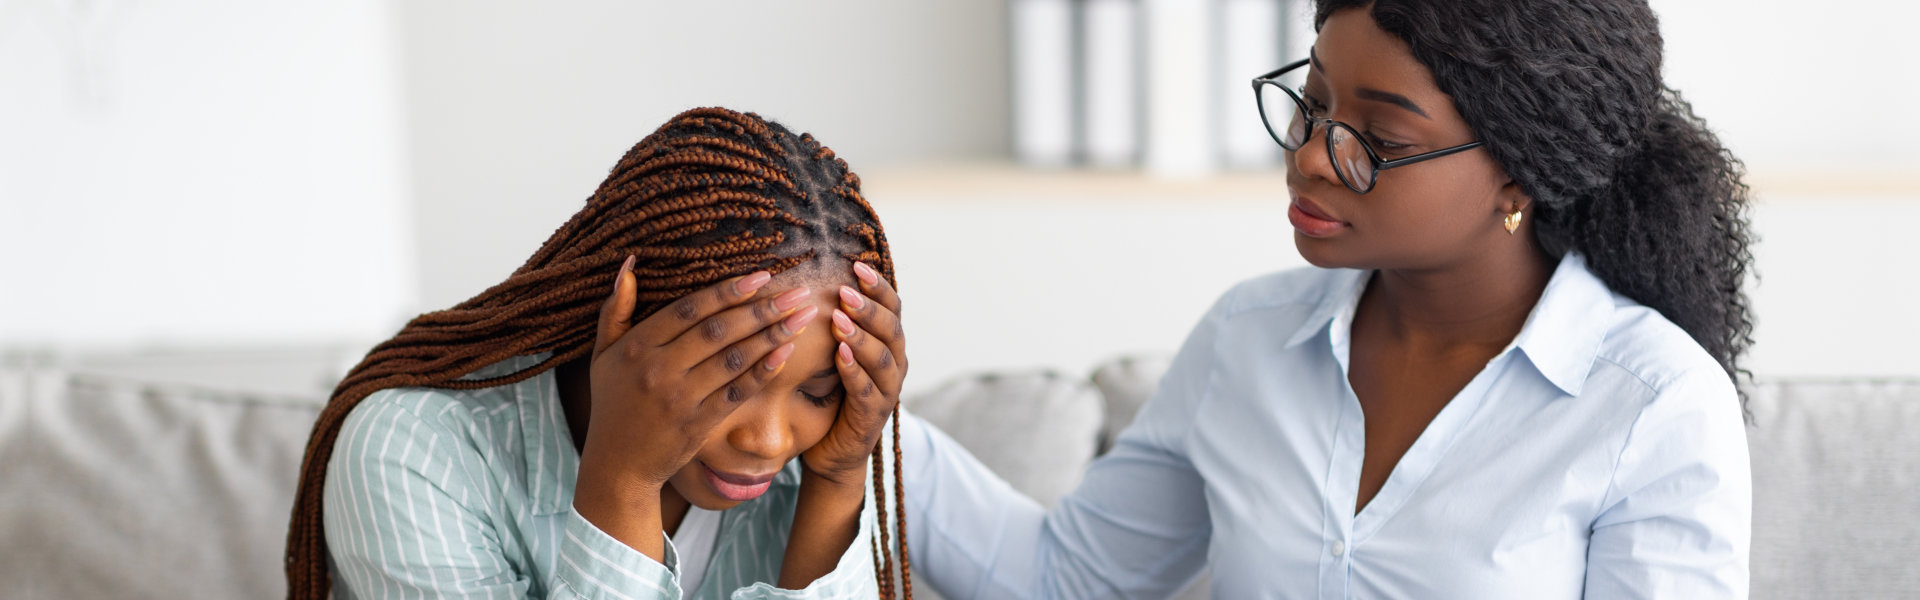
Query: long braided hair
711, 194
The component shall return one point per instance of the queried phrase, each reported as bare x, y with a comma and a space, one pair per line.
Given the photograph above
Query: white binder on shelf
1110, 58
1043, 81
1180, 99
1251, 34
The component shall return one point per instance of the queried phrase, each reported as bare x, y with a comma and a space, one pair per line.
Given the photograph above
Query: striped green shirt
469, 494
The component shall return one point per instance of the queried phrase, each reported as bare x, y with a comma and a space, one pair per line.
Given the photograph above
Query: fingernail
624, 268
798, 322
846, 354
866, 273
751, 283
789, 299
779, 357
852, 298
841, 323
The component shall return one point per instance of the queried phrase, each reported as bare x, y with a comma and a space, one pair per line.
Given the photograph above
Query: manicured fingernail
624, 268
789, 299
846, 354
779, 357
841, 323
852, 298
798, 322
866, 273
752, 282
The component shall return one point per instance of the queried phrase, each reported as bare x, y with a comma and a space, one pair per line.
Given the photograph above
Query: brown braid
711, 194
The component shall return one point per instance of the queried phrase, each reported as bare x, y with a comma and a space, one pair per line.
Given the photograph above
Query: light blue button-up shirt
1602, 454
437, 493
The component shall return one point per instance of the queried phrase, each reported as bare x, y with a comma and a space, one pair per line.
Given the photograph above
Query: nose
1312, 160
760, 428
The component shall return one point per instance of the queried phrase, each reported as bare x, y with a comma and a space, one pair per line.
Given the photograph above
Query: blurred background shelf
964, 181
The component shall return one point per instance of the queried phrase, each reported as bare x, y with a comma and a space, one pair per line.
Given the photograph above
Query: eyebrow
1373, 94
825, 372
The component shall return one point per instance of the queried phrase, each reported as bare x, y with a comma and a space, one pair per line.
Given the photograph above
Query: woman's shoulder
439, 411
428, 411
1659, 356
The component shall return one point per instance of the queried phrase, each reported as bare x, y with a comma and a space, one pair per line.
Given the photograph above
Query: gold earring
1513, 222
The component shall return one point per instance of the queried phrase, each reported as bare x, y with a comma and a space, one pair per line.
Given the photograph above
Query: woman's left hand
872, 360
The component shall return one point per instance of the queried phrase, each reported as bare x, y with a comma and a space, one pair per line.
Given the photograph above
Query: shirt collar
1340, 295
1561, 337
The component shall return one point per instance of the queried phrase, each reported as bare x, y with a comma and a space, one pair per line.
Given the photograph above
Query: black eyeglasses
1353, 158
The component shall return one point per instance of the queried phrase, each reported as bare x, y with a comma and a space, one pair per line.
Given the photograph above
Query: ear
1511, 199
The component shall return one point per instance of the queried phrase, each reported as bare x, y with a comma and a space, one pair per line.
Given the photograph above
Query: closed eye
1380, 144
830, 398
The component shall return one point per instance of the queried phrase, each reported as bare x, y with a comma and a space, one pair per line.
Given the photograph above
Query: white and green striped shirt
469, 494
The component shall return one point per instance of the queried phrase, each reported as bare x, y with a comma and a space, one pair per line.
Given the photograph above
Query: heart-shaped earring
1513, 222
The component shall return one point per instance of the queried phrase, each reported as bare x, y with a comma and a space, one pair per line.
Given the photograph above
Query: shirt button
1339, 548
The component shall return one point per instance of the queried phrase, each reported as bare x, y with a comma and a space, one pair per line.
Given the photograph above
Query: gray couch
169, 475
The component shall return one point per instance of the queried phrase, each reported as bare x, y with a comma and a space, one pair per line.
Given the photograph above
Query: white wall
518, 110
1068, 281
1797, 86
1064, 280
1838, 279
200, 171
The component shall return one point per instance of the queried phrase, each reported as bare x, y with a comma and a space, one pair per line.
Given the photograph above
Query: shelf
991, 181
1011, 182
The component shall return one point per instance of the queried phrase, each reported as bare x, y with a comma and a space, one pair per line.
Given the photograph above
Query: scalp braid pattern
711, 194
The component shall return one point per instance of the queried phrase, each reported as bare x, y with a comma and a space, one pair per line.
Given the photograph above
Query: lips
1311, 220
734, 486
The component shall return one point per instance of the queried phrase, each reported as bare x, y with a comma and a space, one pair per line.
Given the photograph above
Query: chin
1321, 253
698, 495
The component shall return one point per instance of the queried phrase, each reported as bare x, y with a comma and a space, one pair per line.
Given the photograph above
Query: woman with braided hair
680, 395
1509, 373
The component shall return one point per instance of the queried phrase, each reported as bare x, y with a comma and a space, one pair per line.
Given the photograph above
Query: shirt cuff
594, 565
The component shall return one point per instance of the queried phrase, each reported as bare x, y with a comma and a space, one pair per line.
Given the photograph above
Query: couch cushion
1125, 384
113, 488
1836, 480
1036, 429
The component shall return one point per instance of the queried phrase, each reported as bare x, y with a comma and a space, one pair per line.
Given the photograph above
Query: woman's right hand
660, 386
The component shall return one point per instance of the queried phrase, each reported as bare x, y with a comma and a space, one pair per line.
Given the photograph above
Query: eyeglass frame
1314, 124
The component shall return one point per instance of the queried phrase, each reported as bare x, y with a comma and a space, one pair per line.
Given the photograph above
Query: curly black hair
1567, 96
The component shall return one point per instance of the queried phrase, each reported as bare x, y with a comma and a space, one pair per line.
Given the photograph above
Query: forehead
821, 271
1352, 51
813, 348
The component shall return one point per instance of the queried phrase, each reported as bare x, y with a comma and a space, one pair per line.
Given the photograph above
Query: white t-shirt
694, 540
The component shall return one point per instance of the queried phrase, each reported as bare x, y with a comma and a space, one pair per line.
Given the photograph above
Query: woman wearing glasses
1509, 375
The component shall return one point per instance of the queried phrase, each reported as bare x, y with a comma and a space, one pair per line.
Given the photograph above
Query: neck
576, 401
1479, 302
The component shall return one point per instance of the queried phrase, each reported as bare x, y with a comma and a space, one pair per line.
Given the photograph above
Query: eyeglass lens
1290, 126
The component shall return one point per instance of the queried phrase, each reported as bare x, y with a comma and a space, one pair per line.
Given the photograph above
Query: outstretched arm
1137, 526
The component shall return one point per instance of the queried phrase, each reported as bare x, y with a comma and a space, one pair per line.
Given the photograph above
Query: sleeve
1137, 526
1678, 516
406, 503
595, 566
